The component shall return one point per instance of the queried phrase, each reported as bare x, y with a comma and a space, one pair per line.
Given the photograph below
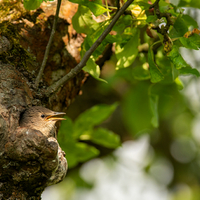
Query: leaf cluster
74, 136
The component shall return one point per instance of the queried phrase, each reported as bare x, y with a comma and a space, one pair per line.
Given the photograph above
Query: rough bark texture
29, 161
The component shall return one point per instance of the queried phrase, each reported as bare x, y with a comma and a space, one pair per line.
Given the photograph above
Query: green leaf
83, 21
105, 138
143, 4
151, 18
126, 54
92, 37
92, 117
85, 152
154, 108
155, 73
176, 58
189, 3
95, 6
189, 21
93, 69
32, 4
122, 23
189, 71
179, 28
192, 42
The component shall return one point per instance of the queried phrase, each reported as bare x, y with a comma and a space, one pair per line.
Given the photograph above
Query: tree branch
39, 76
87, 55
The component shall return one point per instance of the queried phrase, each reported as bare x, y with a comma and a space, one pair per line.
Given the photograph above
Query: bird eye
42, 116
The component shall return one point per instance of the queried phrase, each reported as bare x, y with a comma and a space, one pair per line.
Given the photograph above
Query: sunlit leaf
83, 21
127, 53
93, 69
96, 8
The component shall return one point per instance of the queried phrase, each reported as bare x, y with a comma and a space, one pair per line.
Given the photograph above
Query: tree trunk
29, 161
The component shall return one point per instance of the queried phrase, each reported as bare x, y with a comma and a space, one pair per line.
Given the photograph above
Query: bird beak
56, 116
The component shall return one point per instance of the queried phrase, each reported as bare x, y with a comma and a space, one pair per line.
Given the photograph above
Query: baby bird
41, 119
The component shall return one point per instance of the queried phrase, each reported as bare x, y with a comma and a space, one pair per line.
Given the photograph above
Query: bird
41, 119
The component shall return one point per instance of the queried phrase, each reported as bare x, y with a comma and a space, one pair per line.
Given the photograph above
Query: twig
39, 76
164, 30
87, 55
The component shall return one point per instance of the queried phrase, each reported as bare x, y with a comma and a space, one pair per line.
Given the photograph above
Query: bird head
41, 119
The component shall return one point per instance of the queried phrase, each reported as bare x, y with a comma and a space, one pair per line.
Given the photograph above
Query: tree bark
29, 161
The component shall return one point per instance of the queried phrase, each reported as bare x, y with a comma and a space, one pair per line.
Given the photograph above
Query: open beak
56, 116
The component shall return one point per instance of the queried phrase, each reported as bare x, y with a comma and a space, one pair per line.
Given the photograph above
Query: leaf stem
39, 76
87, 55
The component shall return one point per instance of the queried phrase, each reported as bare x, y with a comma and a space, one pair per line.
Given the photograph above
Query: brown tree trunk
29, 161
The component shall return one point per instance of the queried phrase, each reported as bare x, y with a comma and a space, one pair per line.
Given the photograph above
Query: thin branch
163, 31
87, 55
39, 76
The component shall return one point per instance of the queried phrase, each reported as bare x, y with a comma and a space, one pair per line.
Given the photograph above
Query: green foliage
32, 4
95, 6
72, 136
93, 69
180, 27
156, 74
192, 42
83, 21
127, 40
127, 53
176, 58
105, 138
